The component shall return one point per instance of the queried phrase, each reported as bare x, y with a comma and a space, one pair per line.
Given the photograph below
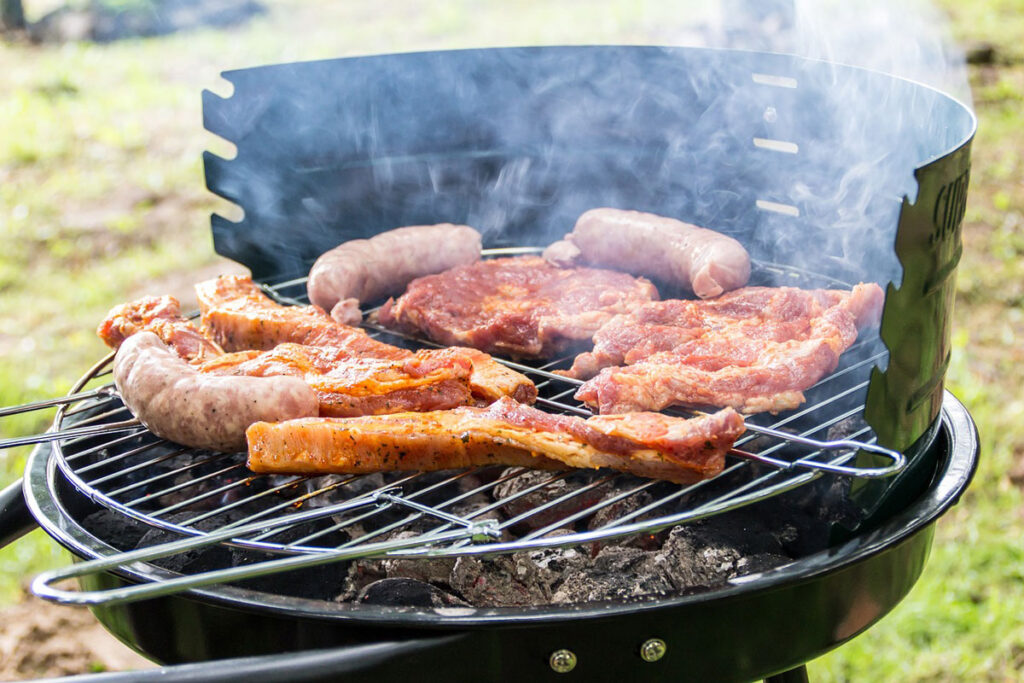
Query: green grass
102, 199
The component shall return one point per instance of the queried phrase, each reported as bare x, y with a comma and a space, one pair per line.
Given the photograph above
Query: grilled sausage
706, 262
177, 402
365, 270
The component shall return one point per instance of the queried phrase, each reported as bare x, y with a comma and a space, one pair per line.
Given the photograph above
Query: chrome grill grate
489, 510
184, 490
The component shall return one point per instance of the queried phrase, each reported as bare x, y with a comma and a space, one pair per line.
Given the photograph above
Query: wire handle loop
43, 587
897, 460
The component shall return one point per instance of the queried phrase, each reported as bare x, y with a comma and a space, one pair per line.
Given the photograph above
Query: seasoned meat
161, 316
523, 307
756, 349
344, 384
507, 433
366, 270
239, 316
347, 387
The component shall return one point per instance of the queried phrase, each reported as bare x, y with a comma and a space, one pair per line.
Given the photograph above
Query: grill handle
16, 519
106, 391
375, 662
42, 585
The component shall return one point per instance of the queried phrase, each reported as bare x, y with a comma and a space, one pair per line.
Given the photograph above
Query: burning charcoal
407, 593
361, 573
115, 528
530, 501
436, 571
192, 561
844, 428
554, 564
761, 562
501, 581
619, 509
617, 572
687, 565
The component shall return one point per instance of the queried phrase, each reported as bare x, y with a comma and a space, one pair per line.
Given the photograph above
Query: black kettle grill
517, 142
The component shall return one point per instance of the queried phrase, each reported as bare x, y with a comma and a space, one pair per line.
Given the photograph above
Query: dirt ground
39, 639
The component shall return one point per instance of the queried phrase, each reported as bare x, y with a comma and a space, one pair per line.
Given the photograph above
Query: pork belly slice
239, 316
162, 316
505, 433
756, 349
348, 387
522, 306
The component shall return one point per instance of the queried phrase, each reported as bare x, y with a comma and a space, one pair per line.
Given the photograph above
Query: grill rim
951, 477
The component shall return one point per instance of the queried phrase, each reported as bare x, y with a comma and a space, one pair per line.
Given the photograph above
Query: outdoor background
102, 199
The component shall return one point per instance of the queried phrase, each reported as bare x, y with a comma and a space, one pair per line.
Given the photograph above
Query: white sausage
706, 262
177, 402
365, 270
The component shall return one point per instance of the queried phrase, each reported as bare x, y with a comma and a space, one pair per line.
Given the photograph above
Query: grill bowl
750, 628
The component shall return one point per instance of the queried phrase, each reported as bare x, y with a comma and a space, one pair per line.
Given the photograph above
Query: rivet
562, 661
653, 650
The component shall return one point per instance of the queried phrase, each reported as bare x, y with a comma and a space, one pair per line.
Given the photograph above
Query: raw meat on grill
427, 380
161, 316
755, 349
240, 317
522, 307
505, 433
344, 384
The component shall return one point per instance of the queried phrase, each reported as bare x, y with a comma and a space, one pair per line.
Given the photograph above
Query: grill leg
797, 675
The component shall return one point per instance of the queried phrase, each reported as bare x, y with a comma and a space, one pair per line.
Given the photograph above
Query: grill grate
191, 491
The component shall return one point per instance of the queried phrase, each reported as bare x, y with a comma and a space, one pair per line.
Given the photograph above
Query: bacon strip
756, 349
505, 433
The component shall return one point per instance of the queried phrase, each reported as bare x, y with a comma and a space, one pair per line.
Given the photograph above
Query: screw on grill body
562, 661
653, 650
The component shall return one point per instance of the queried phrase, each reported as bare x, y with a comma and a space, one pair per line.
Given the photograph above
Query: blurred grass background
102, 199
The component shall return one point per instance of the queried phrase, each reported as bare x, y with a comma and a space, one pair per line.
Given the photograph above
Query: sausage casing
706, 262
177, 402
369, 269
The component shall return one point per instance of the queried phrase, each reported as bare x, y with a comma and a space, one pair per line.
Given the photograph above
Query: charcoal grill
407, 139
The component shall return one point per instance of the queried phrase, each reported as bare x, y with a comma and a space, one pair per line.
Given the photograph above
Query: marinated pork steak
504, 433
755, 349
522, 307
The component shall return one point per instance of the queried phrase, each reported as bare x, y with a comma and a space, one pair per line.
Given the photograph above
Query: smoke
805, 162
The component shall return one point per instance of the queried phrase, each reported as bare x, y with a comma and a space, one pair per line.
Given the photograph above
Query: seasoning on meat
755, 349
345, 384
161, 316
240, 316
522, 307
426, 380
505, 433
